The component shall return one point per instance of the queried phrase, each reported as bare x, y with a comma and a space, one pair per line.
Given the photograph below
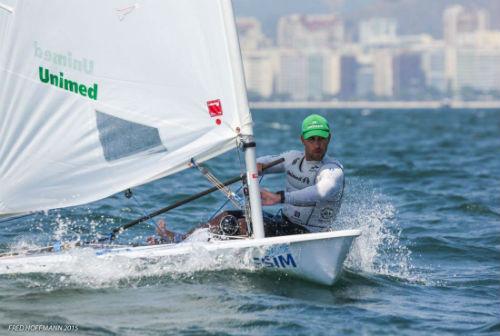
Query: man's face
315, 147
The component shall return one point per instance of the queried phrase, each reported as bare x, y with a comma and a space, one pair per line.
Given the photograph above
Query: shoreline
378, 105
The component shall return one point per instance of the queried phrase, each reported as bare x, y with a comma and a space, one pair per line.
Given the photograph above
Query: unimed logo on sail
69, 85
65, 60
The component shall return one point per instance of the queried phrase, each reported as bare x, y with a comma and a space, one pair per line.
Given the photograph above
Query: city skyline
319, 57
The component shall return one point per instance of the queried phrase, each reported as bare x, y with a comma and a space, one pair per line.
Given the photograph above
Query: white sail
99, 96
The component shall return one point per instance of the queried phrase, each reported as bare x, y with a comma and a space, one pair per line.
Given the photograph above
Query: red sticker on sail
214, 108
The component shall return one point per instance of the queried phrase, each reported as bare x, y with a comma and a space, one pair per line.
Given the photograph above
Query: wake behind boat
96, 111
316, 257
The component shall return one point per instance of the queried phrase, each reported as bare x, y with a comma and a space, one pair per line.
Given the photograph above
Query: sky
414, 16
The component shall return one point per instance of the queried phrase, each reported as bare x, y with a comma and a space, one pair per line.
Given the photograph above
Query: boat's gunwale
245, 243
212, 245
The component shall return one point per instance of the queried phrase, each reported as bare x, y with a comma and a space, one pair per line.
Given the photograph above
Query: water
423, 186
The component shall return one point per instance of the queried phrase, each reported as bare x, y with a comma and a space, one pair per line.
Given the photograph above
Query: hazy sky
414, 16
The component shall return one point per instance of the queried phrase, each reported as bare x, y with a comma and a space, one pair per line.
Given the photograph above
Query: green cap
315, 125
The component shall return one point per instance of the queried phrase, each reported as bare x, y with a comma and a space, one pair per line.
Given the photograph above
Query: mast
247, 130
253, 189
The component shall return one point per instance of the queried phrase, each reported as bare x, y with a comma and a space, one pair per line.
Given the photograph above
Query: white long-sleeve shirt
313, 189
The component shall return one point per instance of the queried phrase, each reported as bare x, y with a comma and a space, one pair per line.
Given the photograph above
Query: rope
235, 199
222, 206
130, 194
9, 219
142, 210
227, 201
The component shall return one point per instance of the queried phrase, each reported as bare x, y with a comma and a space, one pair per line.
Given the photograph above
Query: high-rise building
383, 78
478, 69
293, 75
450, 63
316, 75
434, 67
480, 39
409, 77
250, 34
473, 63
332, 71
260, 71
378, 31
458, 20
308, 75
365, 81
349, 71
324, 74
310, 31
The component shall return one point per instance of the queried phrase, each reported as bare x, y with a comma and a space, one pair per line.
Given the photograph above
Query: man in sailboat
314, 184
313, 189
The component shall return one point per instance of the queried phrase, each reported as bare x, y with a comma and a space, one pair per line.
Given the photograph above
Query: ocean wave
487, 328
472, 208
457, 248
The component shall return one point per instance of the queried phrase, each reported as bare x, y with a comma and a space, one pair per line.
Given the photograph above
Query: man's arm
329, 185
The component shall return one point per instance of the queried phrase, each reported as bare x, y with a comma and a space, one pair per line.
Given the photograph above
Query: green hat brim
320, 133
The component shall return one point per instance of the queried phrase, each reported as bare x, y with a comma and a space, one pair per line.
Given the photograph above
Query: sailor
314, 184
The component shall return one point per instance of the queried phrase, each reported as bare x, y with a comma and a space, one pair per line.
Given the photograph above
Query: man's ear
302, 139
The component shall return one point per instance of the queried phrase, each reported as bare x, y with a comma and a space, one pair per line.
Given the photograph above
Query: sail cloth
99, 96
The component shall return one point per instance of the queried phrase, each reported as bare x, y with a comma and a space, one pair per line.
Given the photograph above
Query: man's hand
151, 240
269, 198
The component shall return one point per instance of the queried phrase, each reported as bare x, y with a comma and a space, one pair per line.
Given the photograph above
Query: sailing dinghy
97, 97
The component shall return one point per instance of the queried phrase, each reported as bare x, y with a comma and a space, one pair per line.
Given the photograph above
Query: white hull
317, 257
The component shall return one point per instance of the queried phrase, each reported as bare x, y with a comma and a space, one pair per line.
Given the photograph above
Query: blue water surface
423, 186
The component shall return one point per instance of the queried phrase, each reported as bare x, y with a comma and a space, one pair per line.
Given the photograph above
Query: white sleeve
330, 182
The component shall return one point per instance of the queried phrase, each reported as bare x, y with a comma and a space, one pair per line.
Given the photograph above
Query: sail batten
89, 110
